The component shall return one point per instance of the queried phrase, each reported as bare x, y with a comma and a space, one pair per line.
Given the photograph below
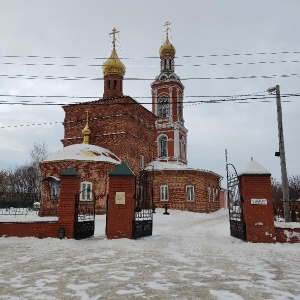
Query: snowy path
189, 256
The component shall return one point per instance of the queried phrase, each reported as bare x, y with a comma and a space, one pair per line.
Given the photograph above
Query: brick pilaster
69, 187
120, 206
259, 218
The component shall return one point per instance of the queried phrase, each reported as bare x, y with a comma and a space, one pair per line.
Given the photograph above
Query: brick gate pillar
257, 205
69, 187
120, 204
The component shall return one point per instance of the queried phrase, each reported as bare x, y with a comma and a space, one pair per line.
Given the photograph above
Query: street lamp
281, 154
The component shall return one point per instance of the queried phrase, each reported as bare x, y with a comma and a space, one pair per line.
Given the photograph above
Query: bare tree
294, 188
20, 186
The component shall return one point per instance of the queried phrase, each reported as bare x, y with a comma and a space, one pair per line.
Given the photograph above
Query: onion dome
114, 65
167, 48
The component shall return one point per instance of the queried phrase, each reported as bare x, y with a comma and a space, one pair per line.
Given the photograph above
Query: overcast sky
209, 28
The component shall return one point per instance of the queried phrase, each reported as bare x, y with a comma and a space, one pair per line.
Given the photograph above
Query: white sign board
120, 197
259, 201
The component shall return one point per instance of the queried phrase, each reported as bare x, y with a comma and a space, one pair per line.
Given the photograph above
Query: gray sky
199, 28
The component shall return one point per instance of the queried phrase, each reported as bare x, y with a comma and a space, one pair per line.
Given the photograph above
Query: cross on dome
113, 33
167, 24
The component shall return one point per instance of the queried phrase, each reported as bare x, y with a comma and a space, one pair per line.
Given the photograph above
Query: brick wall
177, 180
287, 235
66, 214
258, 218
34, 229
95, 172
120, 217
120, 125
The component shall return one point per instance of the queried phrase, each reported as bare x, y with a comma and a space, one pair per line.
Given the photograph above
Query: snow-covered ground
189, 256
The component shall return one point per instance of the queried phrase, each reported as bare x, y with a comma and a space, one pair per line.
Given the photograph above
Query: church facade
124, 130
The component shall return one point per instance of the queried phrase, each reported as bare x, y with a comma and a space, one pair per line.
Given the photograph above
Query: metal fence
16, 211
294, 210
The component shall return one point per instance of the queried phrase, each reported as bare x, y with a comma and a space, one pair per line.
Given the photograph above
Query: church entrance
143, 214
84, 226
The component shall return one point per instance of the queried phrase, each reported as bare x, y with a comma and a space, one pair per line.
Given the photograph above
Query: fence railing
279, 210
19, 211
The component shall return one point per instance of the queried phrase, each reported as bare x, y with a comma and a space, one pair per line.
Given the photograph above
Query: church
100, 134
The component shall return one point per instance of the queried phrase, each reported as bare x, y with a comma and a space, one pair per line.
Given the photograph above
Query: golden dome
86, 130
167, 48
114, 65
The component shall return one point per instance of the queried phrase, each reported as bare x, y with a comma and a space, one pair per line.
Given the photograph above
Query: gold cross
114, 31
167, 24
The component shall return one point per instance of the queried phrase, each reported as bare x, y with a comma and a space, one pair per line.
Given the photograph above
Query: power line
50, 77
152, 57
51, 103
148, 66
191, 103
138, 97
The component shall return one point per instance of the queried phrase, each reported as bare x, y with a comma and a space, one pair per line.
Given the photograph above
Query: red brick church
98, 135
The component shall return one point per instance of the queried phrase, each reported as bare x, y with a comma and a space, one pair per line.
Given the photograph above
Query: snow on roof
254, 167
83, 152
162, 165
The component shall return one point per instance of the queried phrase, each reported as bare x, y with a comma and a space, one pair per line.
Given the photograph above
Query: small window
164, 195
108, 84
115, 84
190, 193
208, 194
86, 191
54, 189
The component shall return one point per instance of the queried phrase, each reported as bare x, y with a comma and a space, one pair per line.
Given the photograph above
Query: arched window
163, 107
163, 146
54, 188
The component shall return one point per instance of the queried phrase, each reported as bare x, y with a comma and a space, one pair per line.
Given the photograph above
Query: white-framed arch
162, 144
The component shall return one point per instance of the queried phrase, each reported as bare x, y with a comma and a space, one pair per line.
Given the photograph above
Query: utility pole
284, 179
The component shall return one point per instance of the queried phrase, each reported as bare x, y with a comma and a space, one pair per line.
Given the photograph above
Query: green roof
69, 172
121, 170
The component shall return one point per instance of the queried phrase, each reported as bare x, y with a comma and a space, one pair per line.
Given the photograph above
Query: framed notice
259, 201
120, 197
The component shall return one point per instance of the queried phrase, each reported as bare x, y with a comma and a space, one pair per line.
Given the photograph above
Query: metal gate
143, 213
84, 226
237, 224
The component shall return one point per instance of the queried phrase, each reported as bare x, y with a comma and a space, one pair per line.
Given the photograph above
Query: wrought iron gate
237, 224
84, 226
143, 214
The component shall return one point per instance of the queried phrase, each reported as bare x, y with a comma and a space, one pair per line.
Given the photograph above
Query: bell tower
167, 105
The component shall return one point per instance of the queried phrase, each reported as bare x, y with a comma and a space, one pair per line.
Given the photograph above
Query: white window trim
209, 193
54, 189
163, 107
190, 187
164, 193
159, 145
83, 190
